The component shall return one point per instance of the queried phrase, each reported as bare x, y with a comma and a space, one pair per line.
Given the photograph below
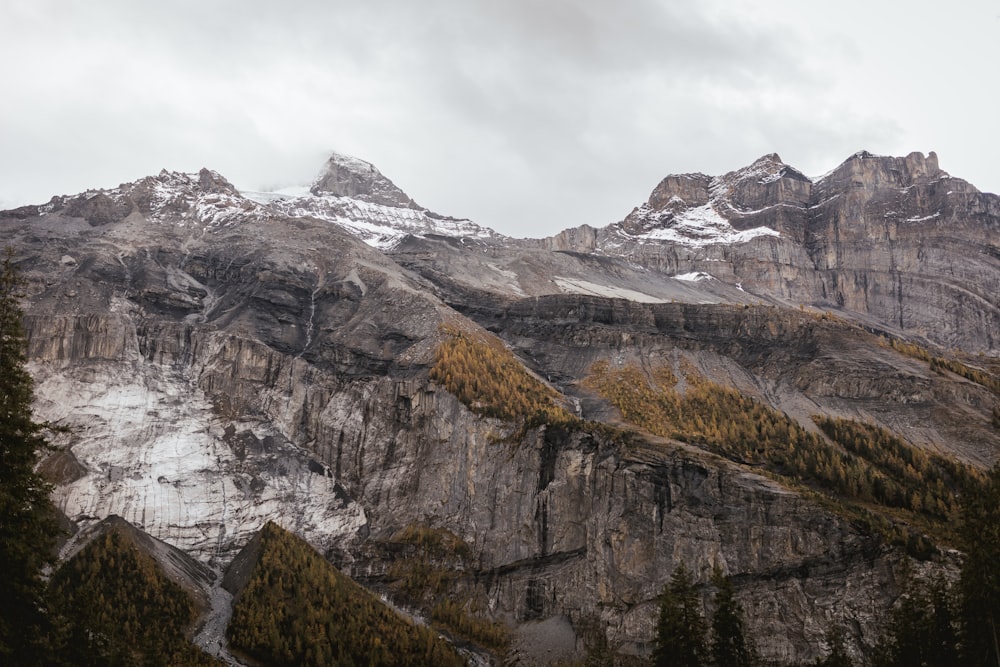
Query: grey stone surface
226, 362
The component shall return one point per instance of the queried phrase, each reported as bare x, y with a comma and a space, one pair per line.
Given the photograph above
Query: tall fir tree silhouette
680, 630
28, 526
729, 643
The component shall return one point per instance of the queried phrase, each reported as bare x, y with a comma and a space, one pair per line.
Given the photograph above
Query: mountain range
568, 415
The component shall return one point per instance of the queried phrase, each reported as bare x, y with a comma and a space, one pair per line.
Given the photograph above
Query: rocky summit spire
345, 176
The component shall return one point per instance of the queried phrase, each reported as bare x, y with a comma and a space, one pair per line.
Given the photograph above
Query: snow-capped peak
764, 170
688, 210
346, 176
204, 199
353, 194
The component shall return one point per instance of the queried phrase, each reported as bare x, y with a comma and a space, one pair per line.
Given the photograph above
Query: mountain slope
127, 599
226, 361
354, 195
291, 607
890, 240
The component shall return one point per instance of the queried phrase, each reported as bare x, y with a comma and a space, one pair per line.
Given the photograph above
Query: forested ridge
862, 464
297, 609
490, 381
118, 608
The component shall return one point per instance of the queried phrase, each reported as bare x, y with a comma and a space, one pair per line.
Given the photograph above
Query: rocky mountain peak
346, 176
869, 171
768, 181
698, 210
214, 182
680, 191
205, 199
766, 168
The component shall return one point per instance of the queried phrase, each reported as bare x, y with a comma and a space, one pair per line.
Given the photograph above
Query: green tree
921, 628
28, 526
729, 644
980, 580
680, 629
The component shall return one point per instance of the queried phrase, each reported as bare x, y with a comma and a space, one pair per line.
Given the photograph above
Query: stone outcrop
345, 176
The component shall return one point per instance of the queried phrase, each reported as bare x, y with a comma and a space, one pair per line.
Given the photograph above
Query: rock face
224, 361
355, 196
345, 176
894, 239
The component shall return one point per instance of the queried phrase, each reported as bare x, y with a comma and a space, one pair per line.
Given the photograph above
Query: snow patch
577, 286
694, 276
269, 196
380, 226
702, 226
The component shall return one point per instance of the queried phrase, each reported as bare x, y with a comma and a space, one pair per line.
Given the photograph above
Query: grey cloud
525, 115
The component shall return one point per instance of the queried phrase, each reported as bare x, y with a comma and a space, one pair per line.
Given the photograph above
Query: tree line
683, 638
935, 622
860, 464
297, 609
487, 377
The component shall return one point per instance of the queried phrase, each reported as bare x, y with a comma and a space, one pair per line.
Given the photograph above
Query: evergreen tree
680, 630
980, 581
921, 628
729, 644
120, 608
943, 648
28, 526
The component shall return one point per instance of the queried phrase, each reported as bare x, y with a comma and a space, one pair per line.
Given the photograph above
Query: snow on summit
685, 209
355, 195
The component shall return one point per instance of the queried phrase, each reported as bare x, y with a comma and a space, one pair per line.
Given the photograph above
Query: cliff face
559, 525
223, 362
895, 239
799, 362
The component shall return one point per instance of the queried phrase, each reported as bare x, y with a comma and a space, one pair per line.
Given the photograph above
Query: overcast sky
528, 116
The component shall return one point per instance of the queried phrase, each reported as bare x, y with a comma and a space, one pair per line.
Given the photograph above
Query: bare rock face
345, 176
226, 361
886, 239
686, 189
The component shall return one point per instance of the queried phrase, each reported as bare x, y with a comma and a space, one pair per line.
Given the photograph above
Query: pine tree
729, 644
27, 520
980, 581
921, 628
680, 630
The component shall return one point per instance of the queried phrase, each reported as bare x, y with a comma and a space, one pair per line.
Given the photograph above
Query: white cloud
526, 116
